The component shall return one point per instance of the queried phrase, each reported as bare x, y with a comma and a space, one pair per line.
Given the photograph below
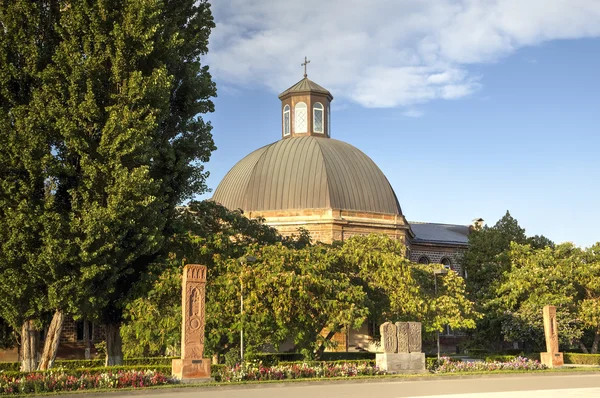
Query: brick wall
437, 254
69, 332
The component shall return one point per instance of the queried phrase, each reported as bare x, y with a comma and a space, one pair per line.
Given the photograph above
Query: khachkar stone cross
551, 358
192, 367
401, 343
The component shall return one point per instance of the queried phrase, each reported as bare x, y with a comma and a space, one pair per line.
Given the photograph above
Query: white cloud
382, 53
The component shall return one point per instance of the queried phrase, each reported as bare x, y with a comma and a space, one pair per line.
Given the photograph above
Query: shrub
142, 363
477, 352
10, 366
581, 359
447, 365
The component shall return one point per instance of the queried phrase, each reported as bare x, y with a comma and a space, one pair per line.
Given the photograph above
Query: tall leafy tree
485, 262
565, 276
118, 106
28, 218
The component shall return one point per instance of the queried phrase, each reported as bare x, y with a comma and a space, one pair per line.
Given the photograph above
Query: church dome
308, 172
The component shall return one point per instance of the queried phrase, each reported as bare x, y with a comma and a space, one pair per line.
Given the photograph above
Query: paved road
495, 386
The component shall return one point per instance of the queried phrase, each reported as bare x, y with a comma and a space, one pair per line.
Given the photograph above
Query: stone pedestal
192, 367
401, 362
552, 359
191, 370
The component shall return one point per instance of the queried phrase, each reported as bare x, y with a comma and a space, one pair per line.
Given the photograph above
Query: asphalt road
496, 386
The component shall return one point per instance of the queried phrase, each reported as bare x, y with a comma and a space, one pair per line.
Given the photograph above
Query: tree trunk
87, 341
114, 348
321, 349
596, 341
583, 348
52, 340
29, 343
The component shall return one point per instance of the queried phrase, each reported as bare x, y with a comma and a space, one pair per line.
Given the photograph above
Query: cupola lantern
305, 109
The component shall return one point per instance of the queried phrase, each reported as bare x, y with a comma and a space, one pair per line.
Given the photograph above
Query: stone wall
436, 254
328, 225
69, 332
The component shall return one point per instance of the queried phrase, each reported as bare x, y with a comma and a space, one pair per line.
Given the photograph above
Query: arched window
286, 120
300, 118
446, 263
318, 117
423, 260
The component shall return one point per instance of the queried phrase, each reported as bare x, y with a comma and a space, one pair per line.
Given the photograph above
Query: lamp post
436, 272
243, 261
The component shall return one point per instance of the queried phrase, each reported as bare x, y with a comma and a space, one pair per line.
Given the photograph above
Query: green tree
398, 289
288, 292
485, 262
564, 276
207, 233
121, 145
449, 305
27, 42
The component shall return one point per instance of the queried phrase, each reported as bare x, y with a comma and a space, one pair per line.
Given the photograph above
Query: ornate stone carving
402, 328
194, 282
389, 340
414, 336
192, 365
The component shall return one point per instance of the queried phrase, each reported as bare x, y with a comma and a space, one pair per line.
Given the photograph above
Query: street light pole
437, 272
241, 321
243, 261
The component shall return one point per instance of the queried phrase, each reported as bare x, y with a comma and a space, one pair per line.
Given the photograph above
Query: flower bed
41, 382
447, 365
259, 372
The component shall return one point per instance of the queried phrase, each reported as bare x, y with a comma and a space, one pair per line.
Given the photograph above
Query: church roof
307, 173
305, 86
451, 234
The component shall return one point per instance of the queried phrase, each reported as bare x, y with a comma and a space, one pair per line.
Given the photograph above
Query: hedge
94, 371
581, 359
278, 357
93, 363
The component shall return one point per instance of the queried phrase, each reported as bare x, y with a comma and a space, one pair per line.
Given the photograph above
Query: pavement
547, 385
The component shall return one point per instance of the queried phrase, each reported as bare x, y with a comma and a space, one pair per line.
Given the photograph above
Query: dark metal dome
307, 173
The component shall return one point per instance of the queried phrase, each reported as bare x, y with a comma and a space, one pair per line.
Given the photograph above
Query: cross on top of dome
306, 62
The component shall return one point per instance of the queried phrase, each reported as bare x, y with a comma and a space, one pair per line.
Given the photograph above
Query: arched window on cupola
301, 118
318, 117
286, 120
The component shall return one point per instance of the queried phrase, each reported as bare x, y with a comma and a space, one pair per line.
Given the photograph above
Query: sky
470, 108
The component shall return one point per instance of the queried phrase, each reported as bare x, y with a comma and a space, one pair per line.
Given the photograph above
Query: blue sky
505, 116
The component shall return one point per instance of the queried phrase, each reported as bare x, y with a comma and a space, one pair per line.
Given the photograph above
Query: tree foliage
566, 277
100, 105
485, 263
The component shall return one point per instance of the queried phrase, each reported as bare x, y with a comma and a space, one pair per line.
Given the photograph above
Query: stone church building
330, 188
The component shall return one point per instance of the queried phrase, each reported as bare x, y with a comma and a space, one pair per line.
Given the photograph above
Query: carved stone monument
551, 358
389, 340
406, 356
402, 328
192, 367
414, 337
